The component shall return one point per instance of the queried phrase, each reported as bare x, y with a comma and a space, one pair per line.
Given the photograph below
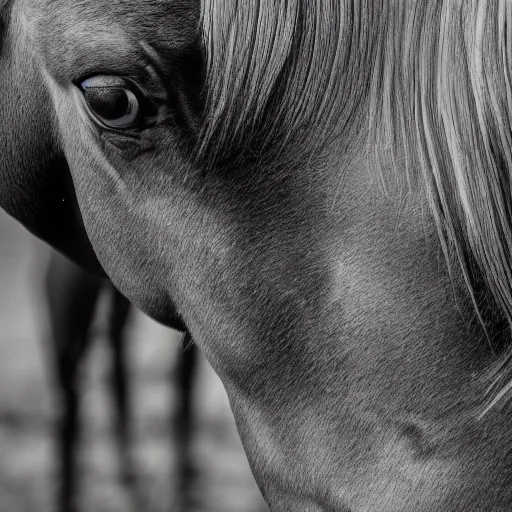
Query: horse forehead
65, 26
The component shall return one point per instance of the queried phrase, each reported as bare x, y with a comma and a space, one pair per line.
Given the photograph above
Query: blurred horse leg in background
119, 379
183, 431
72, 296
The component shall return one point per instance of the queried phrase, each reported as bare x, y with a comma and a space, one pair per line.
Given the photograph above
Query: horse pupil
109, 103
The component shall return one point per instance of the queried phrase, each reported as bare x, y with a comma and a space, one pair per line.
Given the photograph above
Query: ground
28, 409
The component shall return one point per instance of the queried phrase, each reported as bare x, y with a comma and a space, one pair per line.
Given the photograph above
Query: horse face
324, 305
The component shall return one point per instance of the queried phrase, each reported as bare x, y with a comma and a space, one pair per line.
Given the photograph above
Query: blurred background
31, 409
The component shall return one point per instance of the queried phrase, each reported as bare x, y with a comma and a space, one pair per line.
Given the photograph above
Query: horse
72, 297
319, 192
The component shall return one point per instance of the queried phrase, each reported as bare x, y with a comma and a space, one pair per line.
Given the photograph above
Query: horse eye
113, 100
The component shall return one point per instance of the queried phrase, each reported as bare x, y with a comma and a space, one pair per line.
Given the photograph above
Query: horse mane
446, 86
273, 68
434, 78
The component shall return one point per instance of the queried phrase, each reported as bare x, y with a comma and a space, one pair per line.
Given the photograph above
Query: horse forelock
273, 68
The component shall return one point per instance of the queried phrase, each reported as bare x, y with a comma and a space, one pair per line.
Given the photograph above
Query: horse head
320, 192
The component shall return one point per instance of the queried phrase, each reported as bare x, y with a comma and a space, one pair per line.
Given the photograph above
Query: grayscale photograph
256, 256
